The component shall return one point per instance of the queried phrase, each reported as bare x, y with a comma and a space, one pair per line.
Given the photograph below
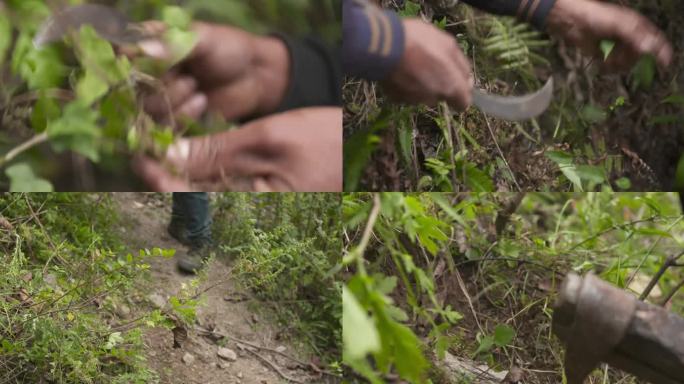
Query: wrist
271, 67
561, 17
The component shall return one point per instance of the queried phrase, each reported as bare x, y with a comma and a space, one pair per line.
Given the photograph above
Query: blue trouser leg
192, 209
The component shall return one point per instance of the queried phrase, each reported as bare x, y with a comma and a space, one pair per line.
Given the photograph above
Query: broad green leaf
46, 109
475, 179
644, 73
594, 114
180, 42
40, 68
565, 163
98, 57
22, 179
76, 130
359, 334
91, 87
503, 335
623, 183
485, 346
176, 17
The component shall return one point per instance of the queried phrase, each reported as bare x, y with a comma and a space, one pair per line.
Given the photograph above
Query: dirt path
197, 361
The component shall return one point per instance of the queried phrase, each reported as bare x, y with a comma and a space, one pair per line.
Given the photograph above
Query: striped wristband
535, 11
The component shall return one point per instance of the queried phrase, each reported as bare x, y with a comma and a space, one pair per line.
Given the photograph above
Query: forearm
531, 11
373, 40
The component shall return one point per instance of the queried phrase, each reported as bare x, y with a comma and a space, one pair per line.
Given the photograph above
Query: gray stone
226, 353
188, 359
123, 311
157, 300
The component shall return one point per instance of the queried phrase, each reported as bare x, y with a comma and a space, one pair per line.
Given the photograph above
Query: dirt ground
225, 310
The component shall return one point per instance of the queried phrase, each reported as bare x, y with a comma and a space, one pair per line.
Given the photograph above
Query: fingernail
199, 102
179, 152
154, 49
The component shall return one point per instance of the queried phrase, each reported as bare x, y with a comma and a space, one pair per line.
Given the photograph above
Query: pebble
281, 348
226, 353
123, 311
188, 359
239, 375
157, 300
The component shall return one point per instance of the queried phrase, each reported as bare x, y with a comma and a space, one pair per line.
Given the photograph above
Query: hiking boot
178, 232
193, 260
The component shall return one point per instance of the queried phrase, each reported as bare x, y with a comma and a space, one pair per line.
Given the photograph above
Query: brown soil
146, 216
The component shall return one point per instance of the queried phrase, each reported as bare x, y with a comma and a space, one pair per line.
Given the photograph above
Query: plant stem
672, 293
35, 140
669, 262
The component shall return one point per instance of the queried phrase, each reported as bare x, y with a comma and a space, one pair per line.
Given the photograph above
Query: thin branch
669, 262
34, 141
672, 293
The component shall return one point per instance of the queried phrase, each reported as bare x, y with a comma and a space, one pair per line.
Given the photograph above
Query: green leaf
46, 109
97, 56
644, 73
485, 346
607, 47
653, 232
623, 183
40, 68
411, 9
90, 88
176, 17
76, 130
565, 163
593, 114
675, 98
679, 175
5, 35
181, 43
359, 334
503, 335
22, 179
475, 179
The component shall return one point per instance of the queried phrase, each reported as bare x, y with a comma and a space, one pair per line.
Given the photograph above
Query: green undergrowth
285, 249
64, 277
474, 275
577, 145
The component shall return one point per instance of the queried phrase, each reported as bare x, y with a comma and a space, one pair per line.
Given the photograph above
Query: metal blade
109, 23
515, 108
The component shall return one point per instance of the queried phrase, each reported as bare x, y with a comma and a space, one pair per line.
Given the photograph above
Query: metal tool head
109, 23
515, 108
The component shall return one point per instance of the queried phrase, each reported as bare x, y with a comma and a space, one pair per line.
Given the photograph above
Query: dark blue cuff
537, 17
531, 11
373, 41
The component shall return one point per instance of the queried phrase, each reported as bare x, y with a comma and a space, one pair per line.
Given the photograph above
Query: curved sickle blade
109, 23
515, 108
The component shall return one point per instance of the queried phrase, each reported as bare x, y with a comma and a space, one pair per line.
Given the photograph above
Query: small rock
222, 364
228, 354
255, 318
188, 359
204, 357
157, 300
239, 375
281, 348
123, 311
